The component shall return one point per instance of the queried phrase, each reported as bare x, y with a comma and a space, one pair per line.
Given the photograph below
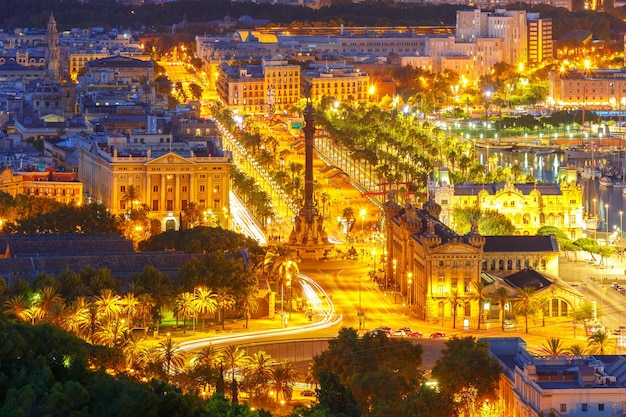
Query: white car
508, 324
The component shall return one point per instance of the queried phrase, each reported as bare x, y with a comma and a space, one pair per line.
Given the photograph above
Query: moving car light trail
316, 296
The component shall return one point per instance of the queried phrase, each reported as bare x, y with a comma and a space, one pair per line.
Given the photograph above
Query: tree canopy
466, 374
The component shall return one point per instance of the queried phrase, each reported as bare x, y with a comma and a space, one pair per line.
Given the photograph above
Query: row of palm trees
599, 342
525, 302
108, 318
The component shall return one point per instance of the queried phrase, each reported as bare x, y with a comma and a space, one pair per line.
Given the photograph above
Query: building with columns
427, 262
165, 175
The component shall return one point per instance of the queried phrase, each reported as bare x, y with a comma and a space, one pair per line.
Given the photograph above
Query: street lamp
360, 313
374, 255
409, 282
395, 263
606, 209
363, 213
621, 230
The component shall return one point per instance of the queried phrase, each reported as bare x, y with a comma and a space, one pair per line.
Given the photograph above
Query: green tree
466, 374
184, 307
379, 372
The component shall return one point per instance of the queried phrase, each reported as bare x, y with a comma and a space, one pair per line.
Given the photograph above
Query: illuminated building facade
165, 176
528, 206
63, 187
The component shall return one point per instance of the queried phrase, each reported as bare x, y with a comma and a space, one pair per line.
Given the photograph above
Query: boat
544, 151
606, 182
494, 146
586, 153
590, 172
591, 223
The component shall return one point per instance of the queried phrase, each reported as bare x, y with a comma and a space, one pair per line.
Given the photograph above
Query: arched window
526, 263
483, 265
501, 265
170, 225
526, 218
518, 264
493, 265
509, 264
543, 264
563, 309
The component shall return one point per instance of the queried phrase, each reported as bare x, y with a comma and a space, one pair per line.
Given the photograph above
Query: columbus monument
308, 237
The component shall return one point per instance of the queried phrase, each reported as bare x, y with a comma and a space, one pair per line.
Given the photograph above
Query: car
620, 330
308, 393
398, 333
508, 324
415, 334
437, 335
379, 333
407, 330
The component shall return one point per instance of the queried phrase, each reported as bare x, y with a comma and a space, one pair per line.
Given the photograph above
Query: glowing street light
363, 213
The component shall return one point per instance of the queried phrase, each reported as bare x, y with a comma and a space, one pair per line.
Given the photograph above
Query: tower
308, 237
52, 56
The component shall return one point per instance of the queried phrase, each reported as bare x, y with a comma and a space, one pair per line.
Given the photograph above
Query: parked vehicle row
618, 288
403, 332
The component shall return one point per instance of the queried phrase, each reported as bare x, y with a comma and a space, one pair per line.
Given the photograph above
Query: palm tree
132, 196
204, 302
599, 342
258, 372
109, 308
455, 303
17, 306
207, 357
184, 307
577, 351
193, 215
280, 263
544, 304
232, 358
479, 294
248, 305
526, 302
130, 306
501, 297
348, 214
282, 380
48, 298
170, 355
77, 317
553, 347
146, 304
223, 299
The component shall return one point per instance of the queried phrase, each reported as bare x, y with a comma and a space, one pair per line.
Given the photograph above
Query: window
170, 189
468, 284
440, 263
155, 189
170, 205
122, 205
183, 204
563, 408
122, 188
583, 407
600, 407
184, 188
155, 205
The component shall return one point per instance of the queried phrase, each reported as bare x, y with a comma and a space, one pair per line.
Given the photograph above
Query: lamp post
374, 255
606, 209
409, 282
360, 314
621, 230
395, 263
363, 213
